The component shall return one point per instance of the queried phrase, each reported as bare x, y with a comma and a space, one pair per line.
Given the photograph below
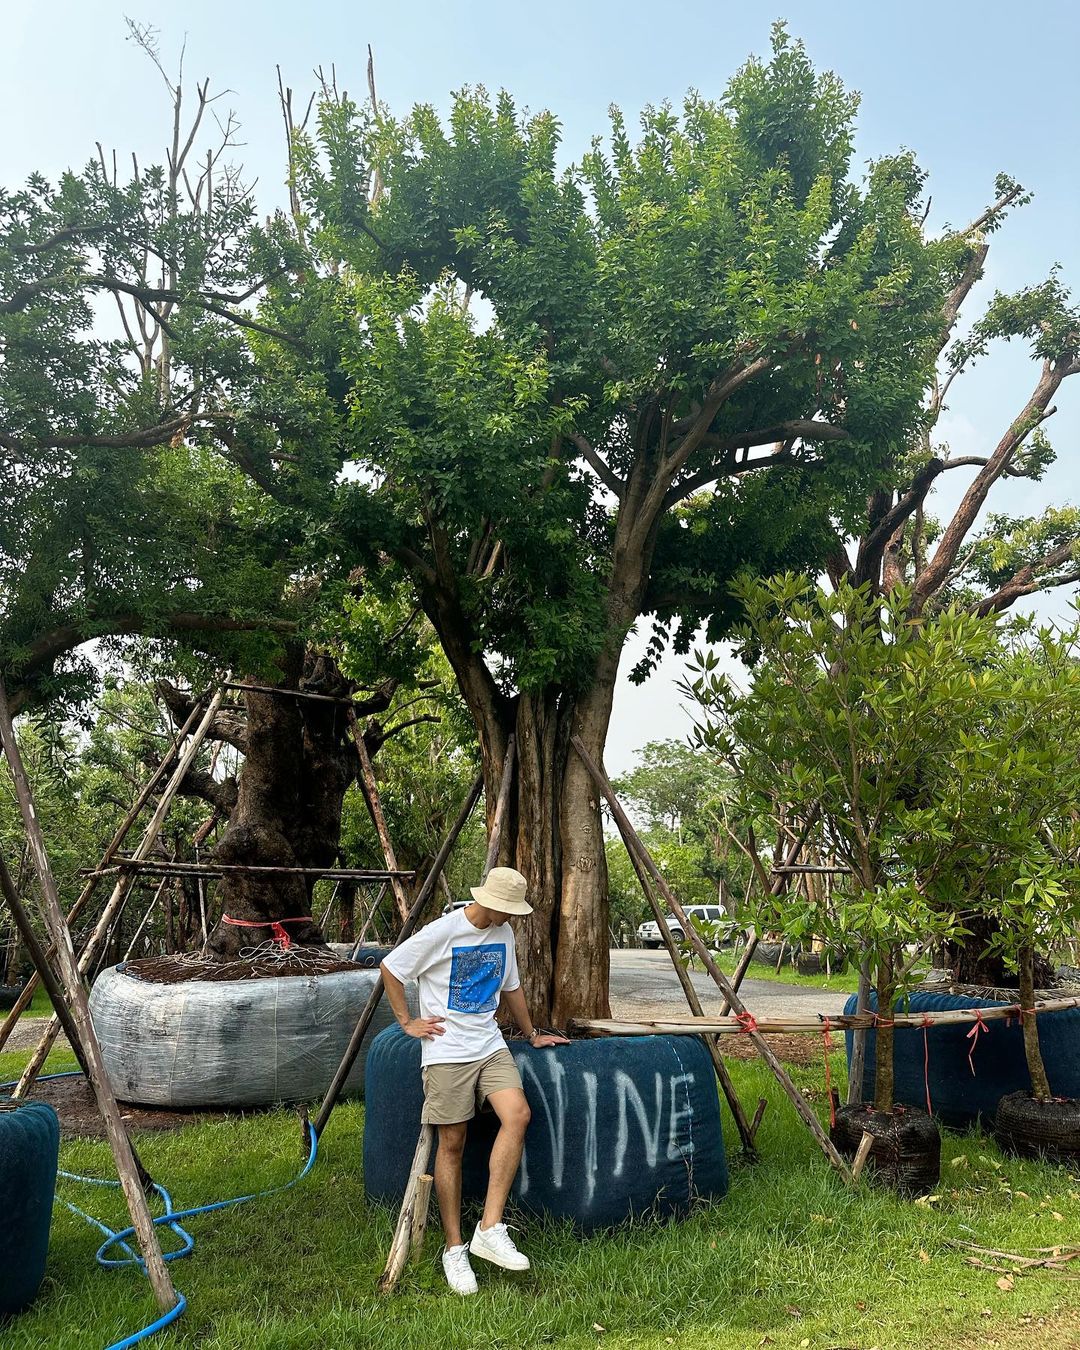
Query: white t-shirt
461, 970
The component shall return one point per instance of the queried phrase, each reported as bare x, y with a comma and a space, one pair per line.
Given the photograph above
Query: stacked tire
29, 1149
967, 1069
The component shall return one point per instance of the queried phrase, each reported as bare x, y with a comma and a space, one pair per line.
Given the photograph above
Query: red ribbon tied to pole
276, 926
747, 1021
978, 1027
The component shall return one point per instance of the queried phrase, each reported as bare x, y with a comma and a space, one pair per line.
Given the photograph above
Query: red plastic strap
746, 1021
880, 1021
927, 1022
826, 1041
281, 937
973, 1036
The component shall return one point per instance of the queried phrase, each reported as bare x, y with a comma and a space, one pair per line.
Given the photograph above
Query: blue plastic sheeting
959, 1096
620, 1127
29, 1147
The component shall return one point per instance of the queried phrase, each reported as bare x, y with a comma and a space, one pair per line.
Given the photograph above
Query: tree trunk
1040, 1084
299, 760
971, 963
886, 996
346, 903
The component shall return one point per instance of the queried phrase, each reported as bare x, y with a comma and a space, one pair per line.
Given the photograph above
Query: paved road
644, 984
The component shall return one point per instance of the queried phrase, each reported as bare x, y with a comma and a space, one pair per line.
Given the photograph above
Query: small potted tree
1015, 868
851, 702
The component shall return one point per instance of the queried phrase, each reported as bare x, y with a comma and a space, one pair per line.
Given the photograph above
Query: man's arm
423, 1028
513, 1000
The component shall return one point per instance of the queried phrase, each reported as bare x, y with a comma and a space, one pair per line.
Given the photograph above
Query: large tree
578, 397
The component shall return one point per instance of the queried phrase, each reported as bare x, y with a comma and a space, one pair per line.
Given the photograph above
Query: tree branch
603, 471
781, 433
1032, 577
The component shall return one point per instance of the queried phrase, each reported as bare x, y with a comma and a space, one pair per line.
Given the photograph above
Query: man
466, 967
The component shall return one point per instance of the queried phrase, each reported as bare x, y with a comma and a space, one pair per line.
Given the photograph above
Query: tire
620, 1127
232, 1042
29, 1147
1032, 1129
958, 1096
677, 934
906, 1152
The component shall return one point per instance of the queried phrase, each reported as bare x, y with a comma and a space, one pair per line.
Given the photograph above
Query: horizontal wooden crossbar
720, 1026
160, 868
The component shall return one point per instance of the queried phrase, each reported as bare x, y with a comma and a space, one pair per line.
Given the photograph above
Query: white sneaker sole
496, 1260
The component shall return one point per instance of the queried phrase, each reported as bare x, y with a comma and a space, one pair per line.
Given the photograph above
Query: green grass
790, 1258
846, 982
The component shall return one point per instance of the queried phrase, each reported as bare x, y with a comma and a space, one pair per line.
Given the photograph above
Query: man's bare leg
448, 1179
510, 1106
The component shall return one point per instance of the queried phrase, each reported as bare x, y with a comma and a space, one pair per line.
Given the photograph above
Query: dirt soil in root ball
178, 969
74, 1102
788, 1047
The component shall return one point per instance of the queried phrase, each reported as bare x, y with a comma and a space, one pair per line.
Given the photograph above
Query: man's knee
516, 1115
452, 1139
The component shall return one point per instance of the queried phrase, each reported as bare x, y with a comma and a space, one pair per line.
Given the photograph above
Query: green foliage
495, 312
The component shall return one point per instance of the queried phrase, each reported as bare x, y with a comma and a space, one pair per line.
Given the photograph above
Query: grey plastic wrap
232, 1042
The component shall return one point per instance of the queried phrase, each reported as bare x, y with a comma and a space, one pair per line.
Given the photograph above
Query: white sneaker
495, 1244
459, 1274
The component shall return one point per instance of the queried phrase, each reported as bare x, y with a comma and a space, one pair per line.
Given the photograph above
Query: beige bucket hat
503, 890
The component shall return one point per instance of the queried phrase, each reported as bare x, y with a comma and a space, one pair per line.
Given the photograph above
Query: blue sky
972, 89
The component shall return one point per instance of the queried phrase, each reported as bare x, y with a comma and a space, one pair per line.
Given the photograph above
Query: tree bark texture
1040, 1084
883, 1068
299, 761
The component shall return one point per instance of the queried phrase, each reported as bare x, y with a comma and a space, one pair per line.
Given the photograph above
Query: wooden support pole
54, 989
374, 806
120, 891
26, 997
146, 917
421, 1210
746, 1131
79, 1006
857, 1067
410, 1212
502, 805
630, 836
773, 887
333, 1092
866, 1143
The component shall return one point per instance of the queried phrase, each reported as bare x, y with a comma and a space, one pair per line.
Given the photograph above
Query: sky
973, 89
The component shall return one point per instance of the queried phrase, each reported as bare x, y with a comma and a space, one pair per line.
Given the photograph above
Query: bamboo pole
857, 1067
746, 1132
123, 887
409, 1215
190, 869
146, 917
632, 840
502, 805
54, 989
25, 998
770, 887
720, 1026
374, 806
79, 1006
413, 918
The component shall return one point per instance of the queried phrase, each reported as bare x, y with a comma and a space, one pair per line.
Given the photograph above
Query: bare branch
599, 466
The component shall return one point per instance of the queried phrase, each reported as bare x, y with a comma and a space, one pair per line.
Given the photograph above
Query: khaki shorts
451, 1091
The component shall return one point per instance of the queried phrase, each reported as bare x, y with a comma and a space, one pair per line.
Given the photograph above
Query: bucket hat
503, 890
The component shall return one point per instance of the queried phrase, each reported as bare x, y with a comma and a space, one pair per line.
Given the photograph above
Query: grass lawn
789, 1259
845, 983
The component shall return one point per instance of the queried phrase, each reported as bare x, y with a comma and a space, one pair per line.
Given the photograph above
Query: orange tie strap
973, 1036
747, 1021
276, 926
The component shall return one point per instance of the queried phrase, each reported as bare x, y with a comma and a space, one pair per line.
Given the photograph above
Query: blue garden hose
170, 1219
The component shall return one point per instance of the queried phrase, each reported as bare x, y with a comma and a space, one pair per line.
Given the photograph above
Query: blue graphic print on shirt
476, 975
